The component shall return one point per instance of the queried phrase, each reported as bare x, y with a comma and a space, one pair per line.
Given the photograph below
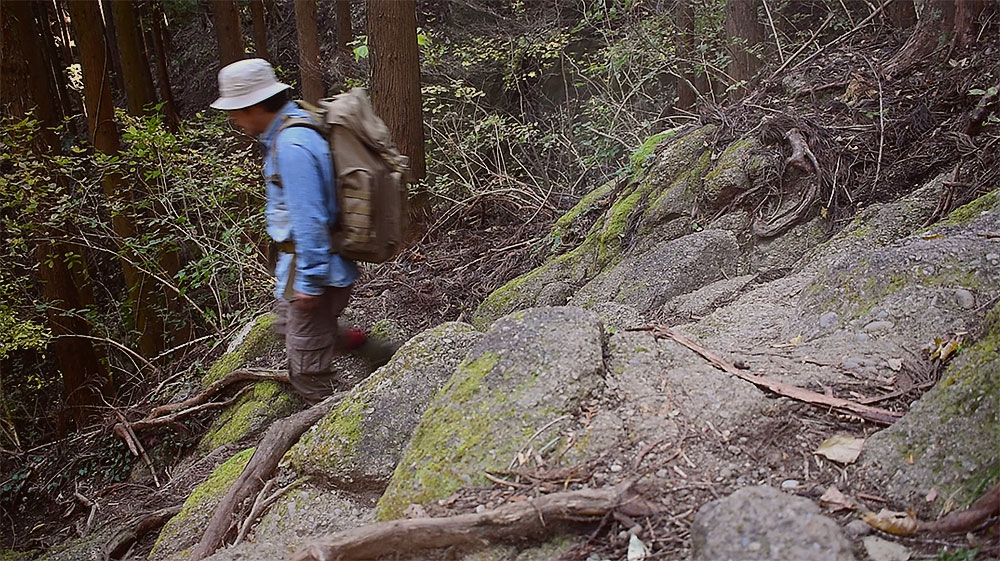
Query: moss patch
447, 438
566, 224
183, 530
969, 212
267, 401
259, 341
645, 150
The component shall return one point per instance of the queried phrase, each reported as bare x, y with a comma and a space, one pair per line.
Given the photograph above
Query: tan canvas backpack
371, 176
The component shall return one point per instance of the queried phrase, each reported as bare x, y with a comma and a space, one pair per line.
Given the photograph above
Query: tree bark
310, 71
901, 14
934, 29
686, 94
104, 135
135, 66
228, 33
345, 34
111, 40
259, 29
160, 49
392, 42
744, 32
85, 377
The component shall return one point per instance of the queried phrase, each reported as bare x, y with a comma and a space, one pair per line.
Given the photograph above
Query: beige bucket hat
246, 82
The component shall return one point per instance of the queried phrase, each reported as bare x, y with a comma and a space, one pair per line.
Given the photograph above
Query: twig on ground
803, 47
881, 123
124, 430
874, 414
172, 418
217, 386
533, 437
777, 41
842, 37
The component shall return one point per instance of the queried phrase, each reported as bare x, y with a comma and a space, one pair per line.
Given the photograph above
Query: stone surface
675, 267
530, 368
358, 444
764, 524
883, 550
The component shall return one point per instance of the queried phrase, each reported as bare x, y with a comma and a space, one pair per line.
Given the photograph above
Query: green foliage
960, 554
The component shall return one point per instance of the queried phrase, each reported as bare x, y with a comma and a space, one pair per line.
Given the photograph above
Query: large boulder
646, 281
764, 524
950, 439
358, 444
530, 368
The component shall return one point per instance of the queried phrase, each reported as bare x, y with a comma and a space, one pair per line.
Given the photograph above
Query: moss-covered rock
646, 281
950, 439
530, 368
974, 209
184, 530
259, 341
610, 235
730, 176
13, 555
358, 444
253, 412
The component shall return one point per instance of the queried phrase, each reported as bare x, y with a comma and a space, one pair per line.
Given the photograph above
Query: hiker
313, 283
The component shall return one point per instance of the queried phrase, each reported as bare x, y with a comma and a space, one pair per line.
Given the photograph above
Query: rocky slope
551, 375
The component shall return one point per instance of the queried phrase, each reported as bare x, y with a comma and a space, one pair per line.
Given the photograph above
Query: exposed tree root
874, 414
118, 546
969, 519
169, 414
275, 442
989, 103
803, 159
511, 522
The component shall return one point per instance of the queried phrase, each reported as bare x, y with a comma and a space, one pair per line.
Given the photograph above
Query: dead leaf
795, 340
834, 500
895, 364
841, 448
892, 522
943, 348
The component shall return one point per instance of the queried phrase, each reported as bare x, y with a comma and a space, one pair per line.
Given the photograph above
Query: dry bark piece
510, 522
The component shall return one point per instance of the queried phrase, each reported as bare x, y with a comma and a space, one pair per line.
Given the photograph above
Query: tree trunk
111, 40
942, 23
686, 94
228, 33
392, 41
901, 13
259, 29
135, 65
310, 71
104, 135
86, 383
160, 49
345, 34
743, 32
51, 56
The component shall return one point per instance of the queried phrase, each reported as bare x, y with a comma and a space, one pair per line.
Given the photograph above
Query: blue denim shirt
304, 207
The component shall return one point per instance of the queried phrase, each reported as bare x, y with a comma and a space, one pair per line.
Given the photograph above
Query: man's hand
305, 301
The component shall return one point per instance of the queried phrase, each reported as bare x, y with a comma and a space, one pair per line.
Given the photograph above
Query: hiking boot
377, 352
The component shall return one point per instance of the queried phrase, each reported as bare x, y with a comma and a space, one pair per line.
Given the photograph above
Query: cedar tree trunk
104, 135
686, 94
392, 42
135, 65
744, 32
228, 33
309, 69
345, 34
259, 29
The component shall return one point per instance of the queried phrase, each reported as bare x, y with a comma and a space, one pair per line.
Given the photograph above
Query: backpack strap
287, 123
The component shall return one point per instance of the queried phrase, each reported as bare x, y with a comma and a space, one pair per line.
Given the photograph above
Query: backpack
371, 176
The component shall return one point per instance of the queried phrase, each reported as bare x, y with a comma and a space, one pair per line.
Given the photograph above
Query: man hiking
313, 283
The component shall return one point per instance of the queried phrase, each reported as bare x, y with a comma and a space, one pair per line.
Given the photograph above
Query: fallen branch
510, 522
216, 387
173, 417
275, 442
874, 414
127, 433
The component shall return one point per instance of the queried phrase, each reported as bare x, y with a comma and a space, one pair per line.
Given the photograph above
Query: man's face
248, 120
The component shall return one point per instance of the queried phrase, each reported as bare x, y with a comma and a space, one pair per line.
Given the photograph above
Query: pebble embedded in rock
735, 450
828, 320
480, 509
857, 528
862, 337
875, 326
615, 468
965, 298
993, 258
789, 484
